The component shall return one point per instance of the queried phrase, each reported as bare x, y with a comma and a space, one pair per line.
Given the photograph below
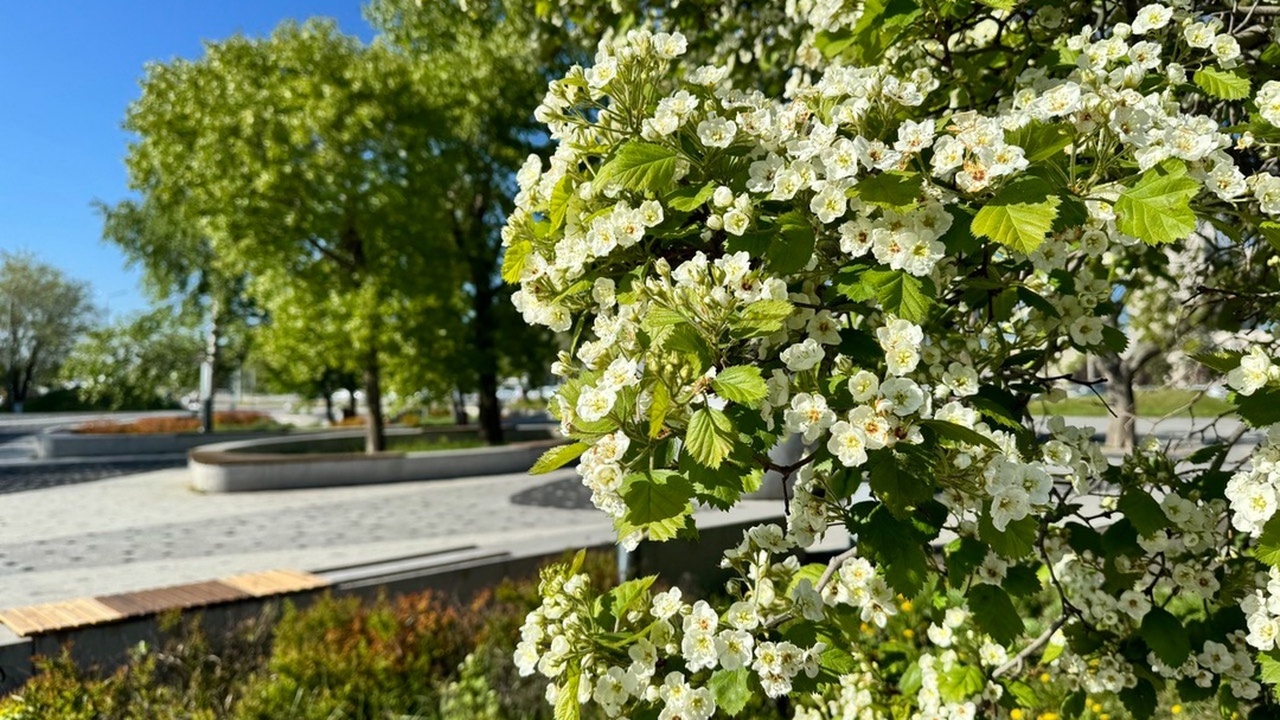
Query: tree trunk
1121, 431
375, 440
208, 386
328, 406
459, 408
486, 356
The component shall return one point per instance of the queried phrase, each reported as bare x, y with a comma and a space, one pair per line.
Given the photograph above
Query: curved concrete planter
62, 443
250, 465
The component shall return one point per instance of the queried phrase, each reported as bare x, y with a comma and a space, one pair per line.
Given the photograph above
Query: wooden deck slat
48, 617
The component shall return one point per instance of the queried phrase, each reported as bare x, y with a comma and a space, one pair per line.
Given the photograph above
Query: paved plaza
78, 527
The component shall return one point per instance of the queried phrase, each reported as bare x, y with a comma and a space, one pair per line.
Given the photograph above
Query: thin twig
1026, 652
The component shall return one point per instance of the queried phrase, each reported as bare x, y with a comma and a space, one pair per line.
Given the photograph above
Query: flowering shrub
889, 262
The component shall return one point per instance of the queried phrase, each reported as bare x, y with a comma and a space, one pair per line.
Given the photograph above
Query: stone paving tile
568, 493
434, 511
27, 477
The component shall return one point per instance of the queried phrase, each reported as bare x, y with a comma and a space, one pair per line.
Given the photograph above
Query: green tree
42, 312
143, 361
306, 160
180, 266
491, 61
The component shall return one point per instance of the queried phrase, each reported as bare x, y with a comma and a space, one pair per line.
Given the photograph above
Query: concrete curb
61, 443
236, 467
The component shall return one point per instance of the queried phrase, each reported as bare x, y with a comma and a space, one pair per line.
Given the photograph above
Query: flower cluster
886, 271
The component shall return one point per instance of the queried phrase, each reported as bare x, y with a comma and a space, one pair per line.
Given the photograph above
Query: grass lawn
418, 443
1151, 403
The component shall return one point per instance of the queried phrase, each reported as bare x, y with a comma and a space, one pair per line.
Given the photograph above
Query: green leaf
1267, 549
897, 546
1073, 704
899, 489
1222, 84
622, 598
710, 437
514, 259
567, 707
639, 166
995, 614
1270, 662
1166, 637
961, 682
658, 408
761, 318
741, 384
1223, 361
792, 247
731, 690
1260, 409
1157, 209
1041, 141
655, 496
558, 206
1270, 232
959, 433
1143, 511
1020, 215
690, 197
896, 291
1015, 542
1140, 700
557, 457
895, 189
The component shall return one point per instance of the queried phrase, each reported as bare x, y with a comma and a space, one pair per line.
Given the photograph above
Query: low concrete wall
694, 566
62, 443
243, 466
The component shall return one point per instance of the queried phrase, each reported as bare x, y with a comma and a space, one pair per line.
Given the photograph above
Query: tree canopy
42, 312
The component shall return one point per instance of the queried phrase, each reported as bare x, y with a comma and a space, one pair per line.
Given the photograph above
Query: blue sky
68, 70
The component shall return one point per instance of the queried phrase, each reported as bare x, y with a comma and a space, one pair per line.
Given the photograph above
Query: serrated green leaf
1270, 663
1143, 511
658, 408
514, 259
896, 292
558, 204
567, 707
1261, 409
958, 433
1223, 361
897, 546
639, 166
1222, 84
1270, 230
961, 682
622, 598
1157, 209
690, 197
741, 384
994, 613
1017, 540
731, 690
1020, 215
792, 245
557, 457
655, 496
1166, 637
761, 318
893, 189
1267, 549
710, 437
1041, 141
1140, 700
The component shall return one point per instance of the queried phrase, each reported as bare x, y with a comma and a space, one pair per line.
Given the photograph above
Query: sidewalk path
148, 530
